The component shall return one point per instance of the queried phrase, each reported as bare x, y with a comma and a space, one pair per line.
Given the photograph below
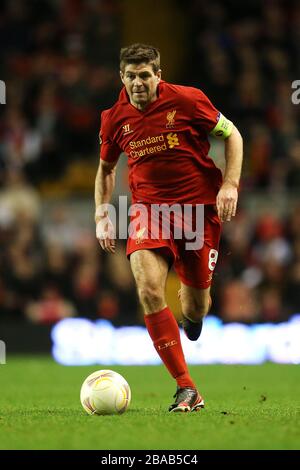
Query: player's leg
195, 304
150, 269
195, 269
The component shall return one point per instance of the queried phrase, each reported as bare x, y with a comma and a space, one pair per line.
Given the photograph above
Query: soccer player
163, 129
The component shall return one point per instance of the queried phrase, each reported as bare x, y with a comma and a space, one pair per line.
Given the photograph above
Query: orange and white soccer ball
105, 392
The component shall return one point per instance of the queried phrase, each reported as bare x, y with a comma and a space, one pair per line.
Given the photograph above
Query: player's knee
196, 310
151, 297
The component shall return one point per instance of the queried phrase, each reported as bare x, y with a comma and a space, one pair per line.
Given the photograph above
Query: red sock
164, 332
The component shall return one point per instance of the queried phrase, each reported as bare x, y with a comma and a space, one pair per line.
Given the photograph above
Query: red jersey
166, 145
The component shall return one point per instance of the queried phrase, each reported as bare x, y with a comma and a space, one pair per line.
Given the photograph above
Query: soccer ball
105, 392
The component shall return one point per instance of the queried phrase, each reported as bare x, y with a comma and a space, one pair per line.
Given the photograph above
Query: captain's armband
223, 128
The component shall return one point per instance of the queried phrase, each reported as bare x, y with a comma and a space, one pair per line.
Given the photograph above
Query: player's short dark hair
139, 54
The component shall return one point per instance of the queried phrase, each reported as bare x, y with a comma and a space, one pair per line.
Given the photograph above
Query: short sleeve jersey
166, 145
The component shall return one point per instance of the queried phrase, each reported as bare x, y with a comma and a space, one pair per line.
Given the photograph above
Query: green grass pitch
247, 407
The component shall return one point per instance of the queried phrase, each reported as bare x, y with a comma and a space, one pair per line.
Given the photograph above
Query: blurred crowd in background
245, 55
60, 66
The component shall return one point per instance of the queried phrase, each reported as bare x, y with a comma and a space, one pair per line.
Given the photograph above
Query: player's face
141, 84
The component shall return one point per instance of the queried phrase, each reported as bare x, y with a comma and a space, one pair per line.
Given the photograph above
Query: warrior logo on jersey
171, 119
126, 129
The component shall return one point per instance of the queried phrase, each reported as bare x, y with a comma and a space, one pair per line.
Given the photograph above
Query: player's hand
227, 201
105, 234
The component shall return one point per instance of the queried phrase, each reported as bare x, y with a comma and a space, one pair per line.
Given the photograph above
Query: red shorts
194, 265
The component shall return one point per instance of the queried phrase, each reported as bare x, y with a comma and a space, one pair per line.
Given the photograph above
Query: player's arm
105, 182
228, 194
104, 187
216, 124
